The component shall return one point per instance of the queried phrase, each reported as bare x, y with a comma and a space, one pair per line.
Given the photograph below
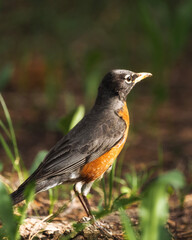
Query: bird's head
119, 82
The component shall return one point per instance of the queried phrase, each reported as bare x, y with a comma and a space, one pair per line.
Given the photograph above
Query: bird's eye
128, 79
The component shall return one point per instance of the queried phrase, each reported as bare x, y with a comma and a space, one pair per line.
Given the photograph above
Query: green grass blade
9, 153
67, 122
5, 129
154, 207
173, 178
13, 139
111, 183
11, 129
121, 158
7, 150
129, 233
51, 199
154, 212
53, 196
124, 202
78, 115
1, 166
38, 159
104, 192
6, 214
29, 196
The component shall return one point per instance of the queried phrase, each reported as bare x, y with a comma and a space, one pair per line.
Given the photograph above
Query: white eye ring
128, 79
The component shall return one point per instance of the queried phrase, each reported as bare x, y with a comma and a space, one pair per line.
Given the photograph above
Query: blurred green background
54, 54
47, 44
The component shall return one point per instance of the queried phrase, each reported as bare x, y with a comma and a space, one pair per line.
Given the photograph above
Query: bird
86, 152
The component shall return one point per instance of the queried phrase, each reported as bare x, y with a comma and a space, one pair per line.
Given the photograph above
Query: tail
43, 185
17, 196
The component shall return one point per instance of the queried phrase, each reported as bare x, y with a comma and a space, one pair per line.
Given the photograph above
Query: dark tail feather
17, 196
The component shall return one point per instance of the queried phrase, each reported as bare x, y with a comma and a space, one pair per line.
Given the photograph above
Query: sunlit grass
154, 209
10, 221
12, 152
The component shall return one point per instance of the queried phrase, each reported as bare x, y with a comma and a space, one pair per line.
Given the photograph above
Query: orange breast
94, 170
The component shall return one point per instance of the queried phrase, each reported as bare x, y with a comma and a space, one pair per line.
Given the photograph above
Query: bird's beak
142, 76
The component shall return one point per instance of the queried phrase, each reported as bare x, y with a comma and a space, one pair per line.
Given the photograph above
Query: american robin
90, 148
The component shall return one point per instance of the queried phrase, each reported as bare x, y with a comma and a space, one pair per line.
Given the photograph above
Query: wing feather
93, 136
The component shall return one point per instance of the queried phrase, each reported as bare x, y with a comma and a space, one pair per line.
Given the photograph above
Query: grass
10, 221
11, 151
9, 228
153, 208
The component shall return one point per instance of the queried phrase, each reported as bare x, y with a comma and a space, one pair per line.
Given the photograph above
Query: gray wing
93, 136
88, 140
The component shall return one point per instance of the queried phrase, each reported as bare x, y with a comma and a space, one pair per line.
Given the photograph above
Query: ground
179, 222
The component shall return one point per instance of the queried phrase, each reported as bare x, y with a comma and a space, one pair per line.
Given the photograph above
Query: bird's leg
84, 191
97, 224
81, 190
81, 200
86, 202
93, 221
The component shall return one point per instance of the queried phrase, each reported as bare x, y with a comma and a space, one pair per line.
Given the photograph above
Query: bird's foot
85, 219
95, 224
90, 219
104, 228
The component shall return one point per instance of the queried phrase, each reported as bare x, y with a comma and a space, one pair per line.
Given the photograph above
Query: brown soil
179, 222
